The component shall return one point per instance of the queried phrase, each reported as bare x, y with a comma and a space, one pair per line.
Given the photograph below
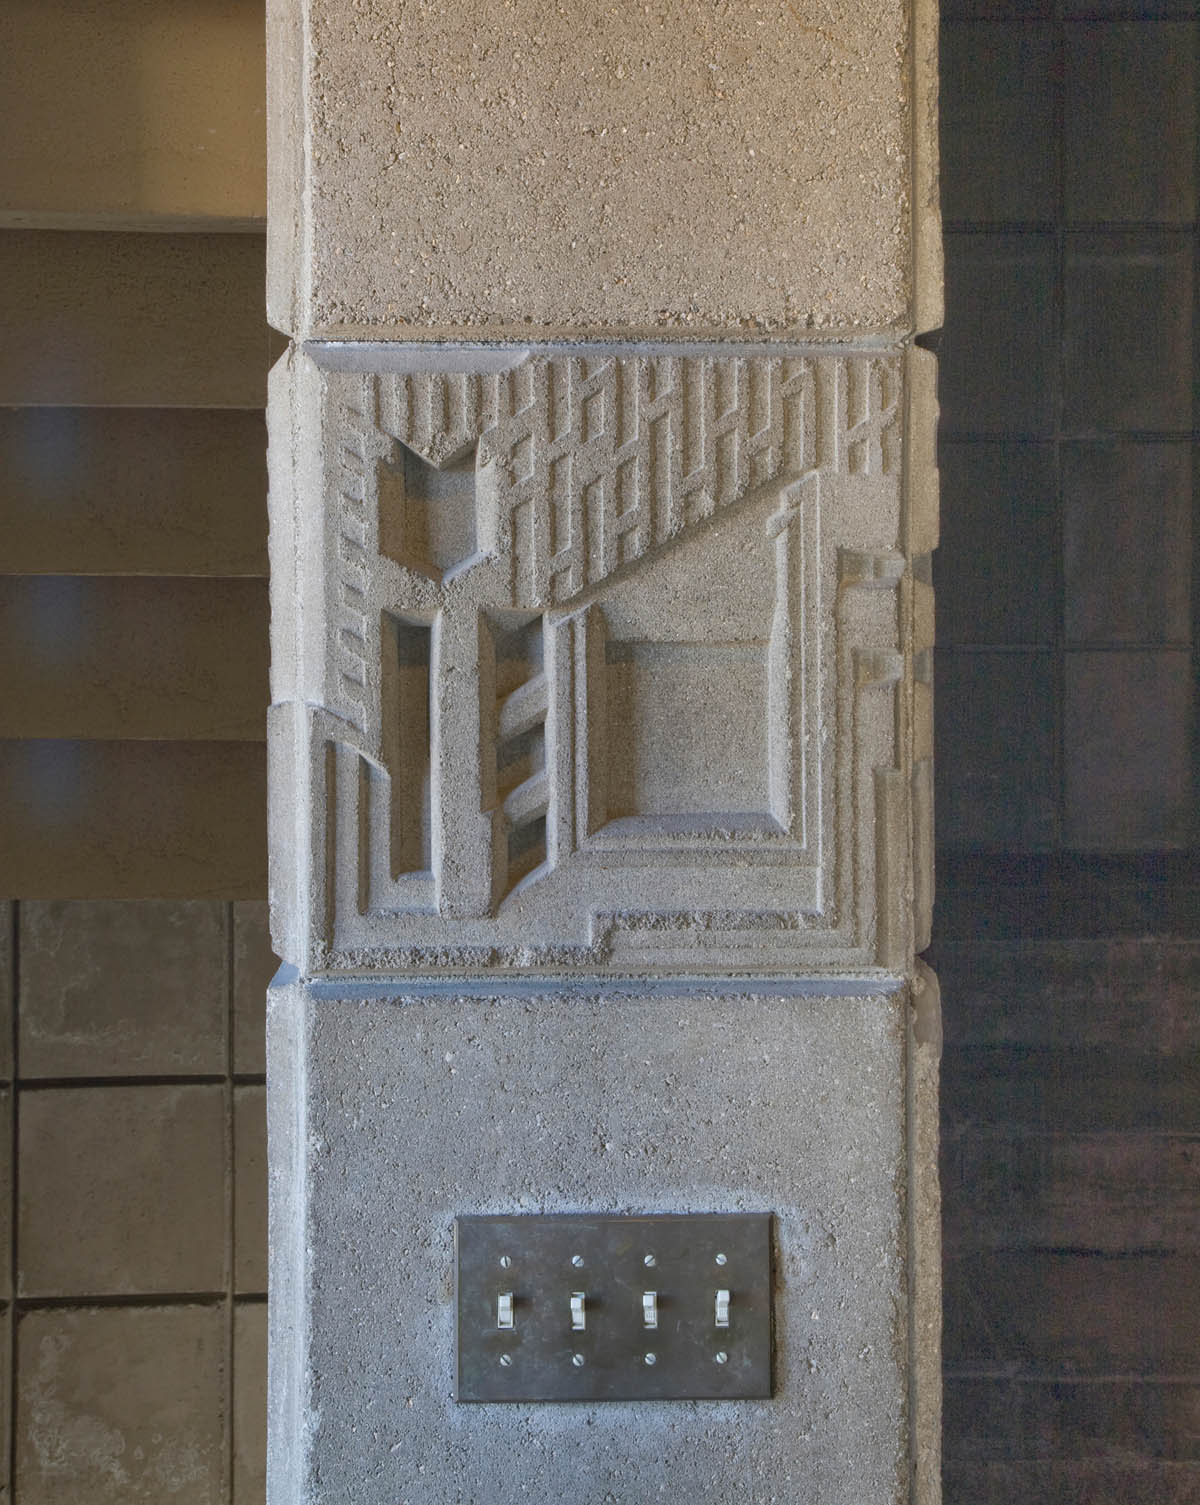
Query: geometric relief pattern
590, 716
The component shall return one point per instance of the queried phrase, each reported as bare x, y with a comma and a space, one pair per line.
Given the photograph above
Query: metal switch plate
566, 1268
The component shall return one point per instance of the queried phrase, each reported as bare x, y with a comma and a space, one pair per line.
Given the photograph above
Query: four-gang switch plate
587, 1308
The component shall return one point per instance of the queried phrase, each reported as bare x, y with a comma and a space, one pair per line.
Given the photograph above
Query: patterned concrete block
502, 586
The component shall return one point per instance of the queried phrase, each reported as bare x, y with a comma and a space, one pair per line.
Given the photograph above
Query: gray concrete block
112, 988
537, 173
122, 1191
121, 1405
502, 584
394, 1111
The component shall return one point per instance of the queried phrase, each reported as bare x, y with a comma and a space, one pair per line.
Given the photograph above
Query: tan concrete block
133, 820
6, 1208
129, 491
133, 115
121, 1191
120, 988
254, 964
138, 320
532, 170
110, 657
250, 1191
250, 1403
121, 1406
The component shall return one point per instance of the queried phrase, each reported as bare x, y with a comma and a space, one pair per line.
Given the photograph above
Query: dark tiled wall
1066, 933
1066, 613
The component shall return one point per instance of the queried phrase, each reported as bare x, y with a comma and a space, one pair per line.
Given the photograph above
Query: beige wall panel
128, 491
139, 113
133, 820
132, 320
101, 656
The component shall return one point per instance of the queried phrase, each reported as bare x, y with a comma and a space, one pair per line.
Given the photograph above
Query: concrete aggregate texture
524, 169
619, 1100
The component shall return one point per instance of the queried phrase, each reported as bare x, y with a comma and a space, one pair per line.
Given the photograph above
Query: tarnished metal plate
542, 1262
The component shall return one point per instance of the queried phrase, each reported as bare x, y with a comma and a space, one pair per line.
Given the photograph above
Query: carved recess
602, 658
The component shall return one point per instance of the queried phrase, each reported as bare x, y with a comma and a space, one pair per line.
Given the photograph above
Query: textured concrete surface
535, 171
504, 581
393, 1112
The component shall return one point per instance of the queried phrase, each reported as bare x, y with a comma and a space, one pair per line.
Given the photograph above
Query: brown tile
134, 820
133, 491
250, 1403
121, 1406
254, 965
133, 320
122, 1191
1127, 332
123, 988
250, 1190
995, 568
8, 919
995, 750
1078, 1482
1129, 121
6, 1207
999, 158
1058, 1314
111, 657
1127, 538
998, 351
1127, 732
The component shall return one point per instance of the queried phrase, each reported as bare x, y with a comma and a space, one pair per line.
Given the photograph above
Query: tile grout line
230, 1203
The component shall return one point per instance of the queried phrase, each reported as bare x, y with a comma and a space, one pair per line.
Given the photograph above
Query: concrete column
603, 495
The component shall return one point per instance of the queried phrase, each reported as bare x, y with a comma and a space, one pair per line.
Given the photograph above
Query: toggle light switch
542, 1338
722, 1308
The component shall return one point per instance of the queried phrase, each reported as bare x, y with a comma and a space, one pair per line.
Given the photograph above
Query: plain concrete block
120, 988
538, 172
1128, 752
997, 106
129, 491
249, 1403
495, 604
6, 1207
1127, 332
254, 965
111, 657
1129, 118
122, 1191
149, 117
121, 1405
250, 1191
1127, 542
114, 320
134, 820
995, 571
396, 1110
999, 352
